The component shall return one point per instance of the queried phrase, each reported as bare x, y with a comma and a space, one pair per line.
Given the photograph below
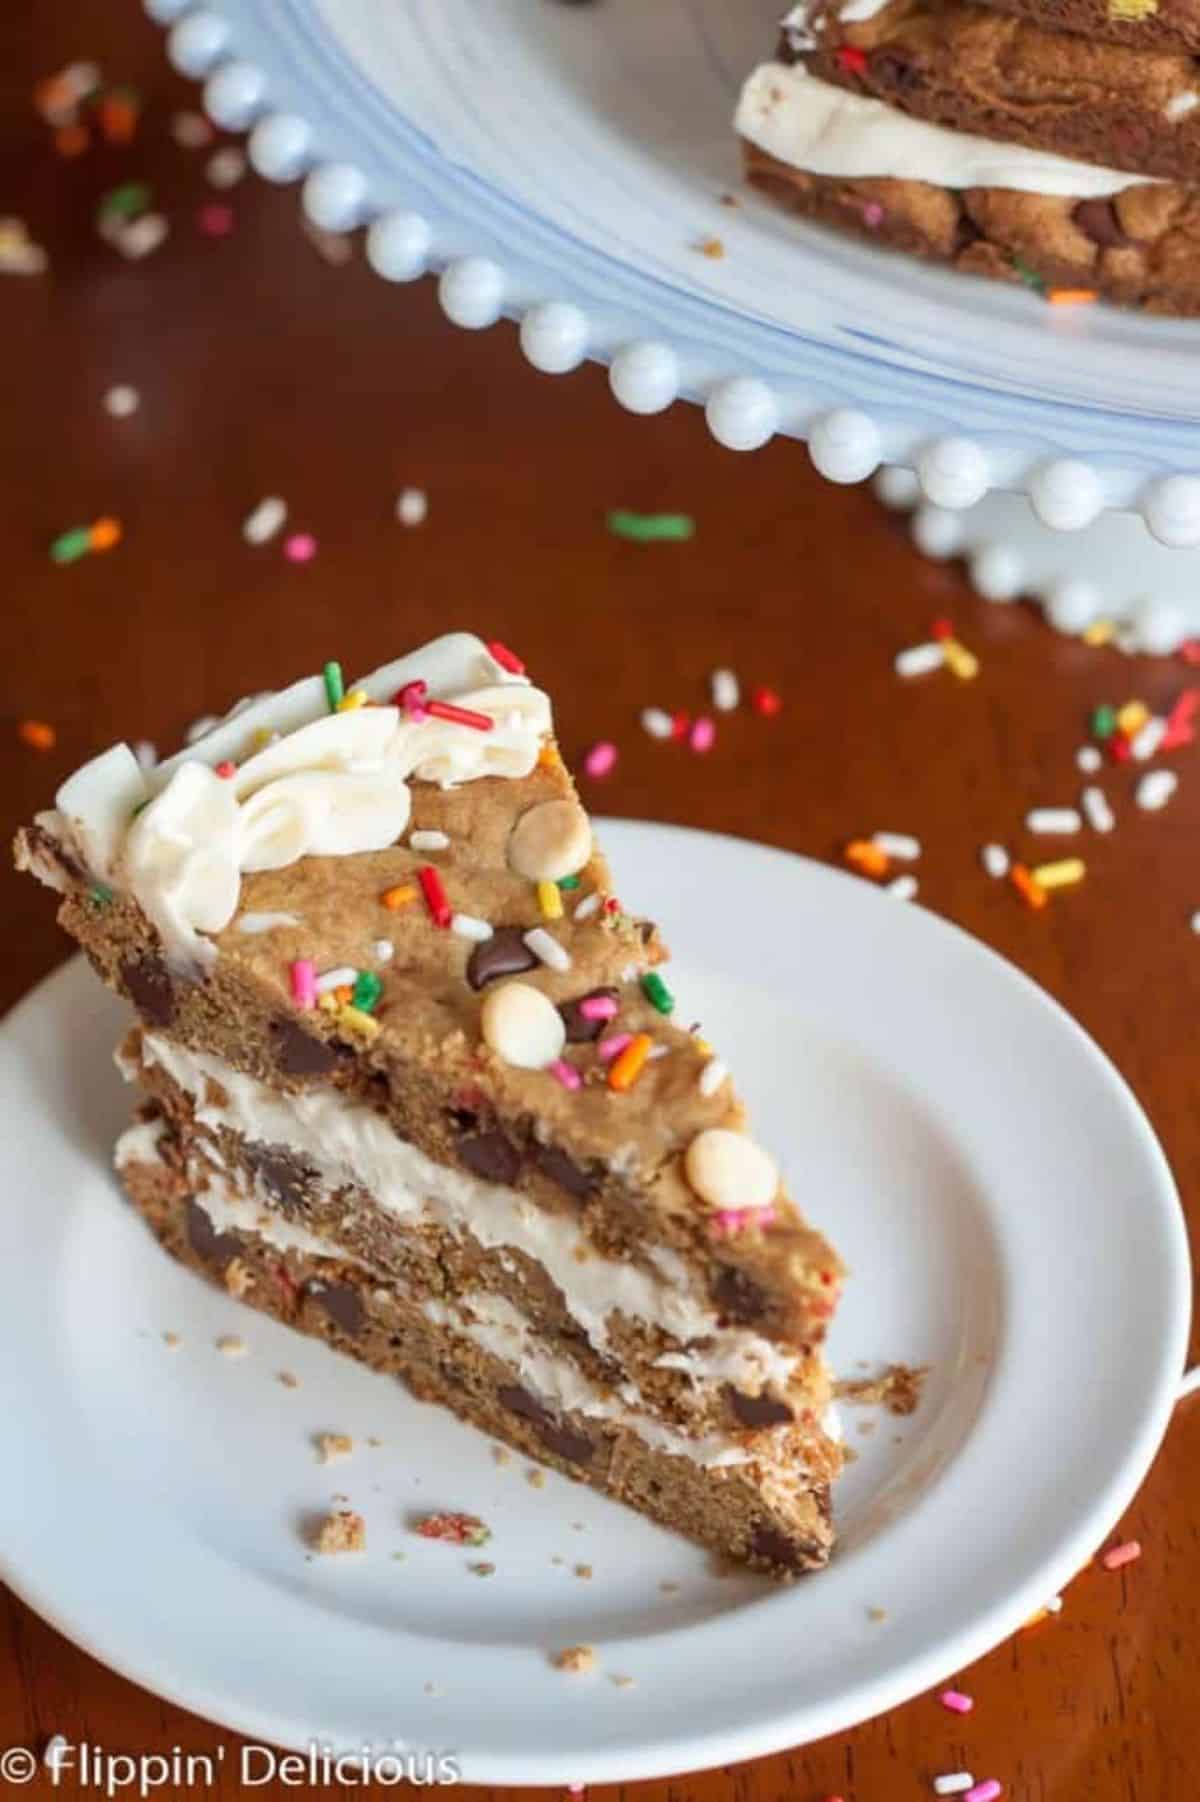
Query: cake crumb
238, 1278
712, 248
668, 1588
341, 1531
231, 1346
287, 1379
866, 1427
172, 1341
622, 1682
557, 1560
877, 1614
536, 1479
332, 1445
897, 1388
453, 1529
575, 1658
482, 1569
371, 1440
400, 1557
501, 1455
584, 1571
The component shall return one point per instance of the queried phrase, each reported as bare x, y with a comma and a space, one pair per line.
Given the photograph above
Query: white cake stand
566, 164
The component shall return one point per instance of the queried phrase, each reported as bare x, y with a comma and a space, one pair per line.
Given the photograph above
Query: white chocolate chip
550, 841
521, 1026
728, 1170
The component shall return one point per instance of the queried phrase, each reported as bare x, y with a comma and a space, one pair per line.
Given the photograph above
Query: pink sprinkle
1121, 1554
613, 1046
566, 1073
304, 982
412, 698
729, 1221
956, 1702
225, 769
301, 547
984, 1792
215, 219
601, 759
872, 213
702, 736
597, 1007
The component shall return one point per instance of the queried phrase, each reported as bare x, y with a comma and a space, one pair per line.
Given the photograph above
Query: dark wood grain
263, 370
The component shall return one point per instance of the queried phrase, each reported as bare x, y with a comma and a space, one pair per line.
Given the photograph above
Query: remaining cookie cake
962, 133
413, 1084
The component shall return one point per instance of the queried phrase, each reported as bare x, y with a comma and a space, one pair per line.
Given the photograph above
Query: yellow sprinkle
352, 1019
1132, 9
964, 663
1132, 717
355, 699
328, 1003
1101, 631
263, 737
396, 898
1061, 874
550, 900
548, 757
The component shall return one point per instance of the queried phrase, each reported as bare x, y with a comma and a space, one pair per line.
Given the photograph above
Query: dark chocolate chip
553, 1162
758, 1410
895, 72
1097, 220
285, 1176
579, 1030
298, 1053
770, 1546
504, 954
739, 1297
647, 928
491, 1156
147, 982
342, 1303
561, 1440
519, 1401
214, 1247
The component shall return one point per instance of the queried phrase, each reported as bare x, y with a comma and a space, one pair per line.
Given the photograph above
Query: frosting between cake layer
812, 125
348, 1144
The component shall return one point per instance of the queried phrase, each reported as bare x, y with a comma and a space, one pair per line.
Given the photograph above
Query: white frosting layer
811, 125
179, 836
348, 1143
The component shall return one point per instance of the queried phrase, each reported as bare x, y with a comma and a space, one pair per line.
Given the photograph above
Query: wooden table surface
262, 369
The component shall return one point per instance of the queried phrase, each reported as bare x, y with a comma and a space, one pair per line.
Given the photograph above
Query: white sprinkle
995, 860
898, 844
1145, 742
137, 239
546, 949
1097, 812
1155, 790
954, 1783
587, 907
201, 727
266, 922
336, 979
267, 519
657, 1051
1088, 759
903, 887
121, 400
468, 927
384, 950
226, 167
656, 722
919, 660
712, 1076
428, 841
146, 754
412, 506
1054, 1605
726, 692
191, 131
1053, 820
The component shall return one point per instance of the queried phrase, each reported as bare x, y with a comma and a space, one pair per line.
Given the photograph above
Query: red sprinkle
461, 716
853, 60
412, 699
215, 220
435, 896
1118, 1555
1118, 748
680, 722
505, 658
226, 768
1189, 650
454, 1529
766, 702
941, 630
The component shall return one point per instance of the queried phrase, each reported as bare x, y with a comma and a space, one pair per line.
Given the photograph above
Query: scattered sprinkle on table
121, 400
191, 131
215, 219
1057, 820
80, 541
37, 734
601, 760
904, 888
1119, 1555
225, 167
1155, 790
657, 722
1063, 874
897, 844
867, 857
454, 1529
651, 528
987, 1791
995, 860
725, 690
766, 701
412, 506
702, 736
1096, 810
956, 1701
920, 659
265, 521
1088, 759
953, 1783
300, 547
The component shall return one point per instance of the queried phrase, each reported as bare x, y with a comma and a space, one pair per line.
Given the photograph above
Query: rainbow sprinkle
335, 688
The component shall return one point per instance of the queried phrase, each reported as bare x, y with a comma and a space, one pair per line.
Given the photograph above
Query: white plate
1008, 1216
582, 150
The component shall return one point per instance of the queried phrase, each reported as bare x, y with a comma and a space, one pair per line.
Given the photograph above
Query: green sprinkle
1029, 276
125, 202
1104, 722
651, 528
568, 882
335, 688
367, 990
70, 546
657, 993
100, 896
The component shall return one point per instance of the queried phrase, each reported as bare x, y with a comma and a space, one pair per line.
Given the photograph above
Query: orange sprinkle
867, 858
343, 994
548, 757
104, 534
1031, 892
71, 140
118, 120
1071, 297
624, 1070
37, 734
396, 898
